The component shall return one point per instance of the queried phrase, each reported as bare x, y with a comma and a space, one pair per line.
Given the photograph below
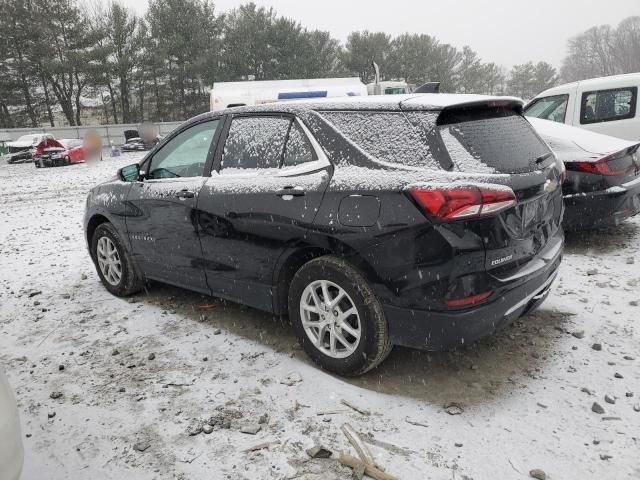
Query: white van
607, 105
236, 94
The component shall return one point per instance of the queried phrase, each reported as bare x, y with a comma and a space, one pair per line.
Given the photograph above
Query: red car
56, 153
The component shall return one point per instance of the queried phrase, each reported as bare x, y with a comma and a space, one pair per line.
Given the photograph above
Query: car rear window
473, 140
499, 138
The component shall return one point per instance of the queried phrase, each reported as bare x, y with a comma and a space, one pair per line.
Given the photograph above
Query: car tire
351, 355
113, 263
66, 162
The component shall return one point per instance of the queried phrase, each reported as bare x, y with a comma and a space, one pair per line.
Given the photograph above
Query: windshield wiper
542, 158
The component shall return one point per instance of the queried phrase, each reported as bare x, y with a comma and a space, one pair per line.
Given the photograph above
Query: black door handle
291, 191
185, 194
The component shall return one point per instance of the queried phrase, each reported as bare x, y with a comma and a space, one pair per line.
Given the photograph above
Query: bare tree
603, 50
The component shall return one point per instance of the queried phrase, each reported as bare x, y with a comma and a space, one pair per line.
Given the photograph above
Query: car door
267, 185
161, 222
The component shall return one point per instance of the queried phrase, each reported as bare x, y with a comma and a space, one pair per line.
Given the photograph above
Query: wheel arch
94, 222
294, 257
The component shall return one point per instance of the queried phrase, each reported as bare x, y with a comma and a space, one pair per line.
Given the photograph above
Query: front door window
186, 154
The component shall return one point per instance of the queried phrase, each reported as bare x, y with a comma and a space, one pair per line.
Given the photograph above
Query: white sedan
11, 450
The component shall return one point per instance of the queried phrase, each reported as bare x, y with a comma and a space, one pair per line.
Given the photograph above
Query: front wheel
338, 319
113, 263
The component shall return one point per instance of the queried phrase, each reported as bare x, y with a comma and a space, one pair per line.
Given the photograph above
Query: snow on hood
572, 144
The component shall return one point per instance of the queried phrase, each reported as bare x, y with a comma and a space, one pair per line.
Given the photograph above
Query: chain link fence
111, 134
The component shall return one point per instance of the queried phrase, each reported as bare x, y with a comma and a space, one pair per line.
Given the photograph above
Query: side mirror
130, 173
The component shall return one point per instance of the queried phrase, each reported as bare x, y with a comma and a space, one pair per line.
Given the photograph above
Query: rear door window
255, 143
552, 108
298, 149
386, 136
608, 105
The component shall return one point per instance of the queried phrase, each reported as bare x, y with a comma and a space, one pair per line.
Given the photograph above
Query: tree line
59, 57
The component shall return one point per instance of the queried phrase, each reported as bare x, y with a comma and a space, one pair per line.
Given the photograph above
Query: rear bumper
602, 208
48, 162
430, 330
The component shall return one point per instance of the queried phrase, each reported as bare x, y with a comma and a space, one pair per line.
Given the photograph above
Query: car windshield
549, 108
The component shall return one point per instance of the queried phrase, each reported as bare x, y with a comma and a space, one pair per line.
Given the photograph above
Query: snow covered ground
111, 388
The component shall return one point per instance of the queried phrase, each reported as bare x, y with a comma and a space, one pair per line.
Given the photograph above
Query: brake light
617, 164
454, 202
467, 301
562, 168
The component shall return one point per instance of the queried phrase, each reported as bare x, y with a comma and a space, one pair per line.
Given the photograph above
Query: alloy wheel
109, 261
330, 319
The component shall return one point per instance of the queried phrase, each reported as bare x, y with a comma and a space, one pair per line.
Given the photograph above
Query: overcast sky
503, 31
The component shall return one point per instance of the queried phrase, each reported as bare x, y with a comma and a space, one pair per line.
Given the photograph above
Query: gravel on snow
136, 398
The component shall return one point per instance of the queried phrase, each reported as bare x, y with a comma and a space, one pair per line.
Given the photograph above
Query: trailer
237, 94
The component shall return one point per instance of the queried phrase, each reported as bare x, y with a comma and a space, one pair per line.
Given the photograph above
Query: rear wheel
338, 319
113, 263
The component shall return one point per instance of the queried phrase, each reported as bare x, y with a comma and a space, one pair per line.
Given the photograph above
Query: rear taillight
454, 202
617, 164
467, 301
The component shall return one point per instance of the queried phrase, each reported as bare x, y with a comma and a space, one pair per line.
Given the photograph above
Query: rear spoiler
477, 111
511, 103
447, 102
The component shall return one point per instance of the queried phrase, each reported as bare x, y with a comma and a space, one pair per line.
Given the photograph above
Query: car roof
613, 81
423, 101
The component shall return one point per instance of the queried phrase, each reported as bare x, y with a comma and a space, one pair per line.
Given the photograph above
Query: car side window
298, 149
608, 105
255, 142
185, 155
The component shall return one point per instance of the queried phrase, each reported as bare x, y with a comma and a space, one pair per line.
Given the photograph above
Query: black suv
425, 221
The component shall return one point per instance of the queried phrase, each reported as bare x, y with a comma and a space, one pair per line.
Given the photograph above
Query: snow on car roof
421, 101
430, 101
